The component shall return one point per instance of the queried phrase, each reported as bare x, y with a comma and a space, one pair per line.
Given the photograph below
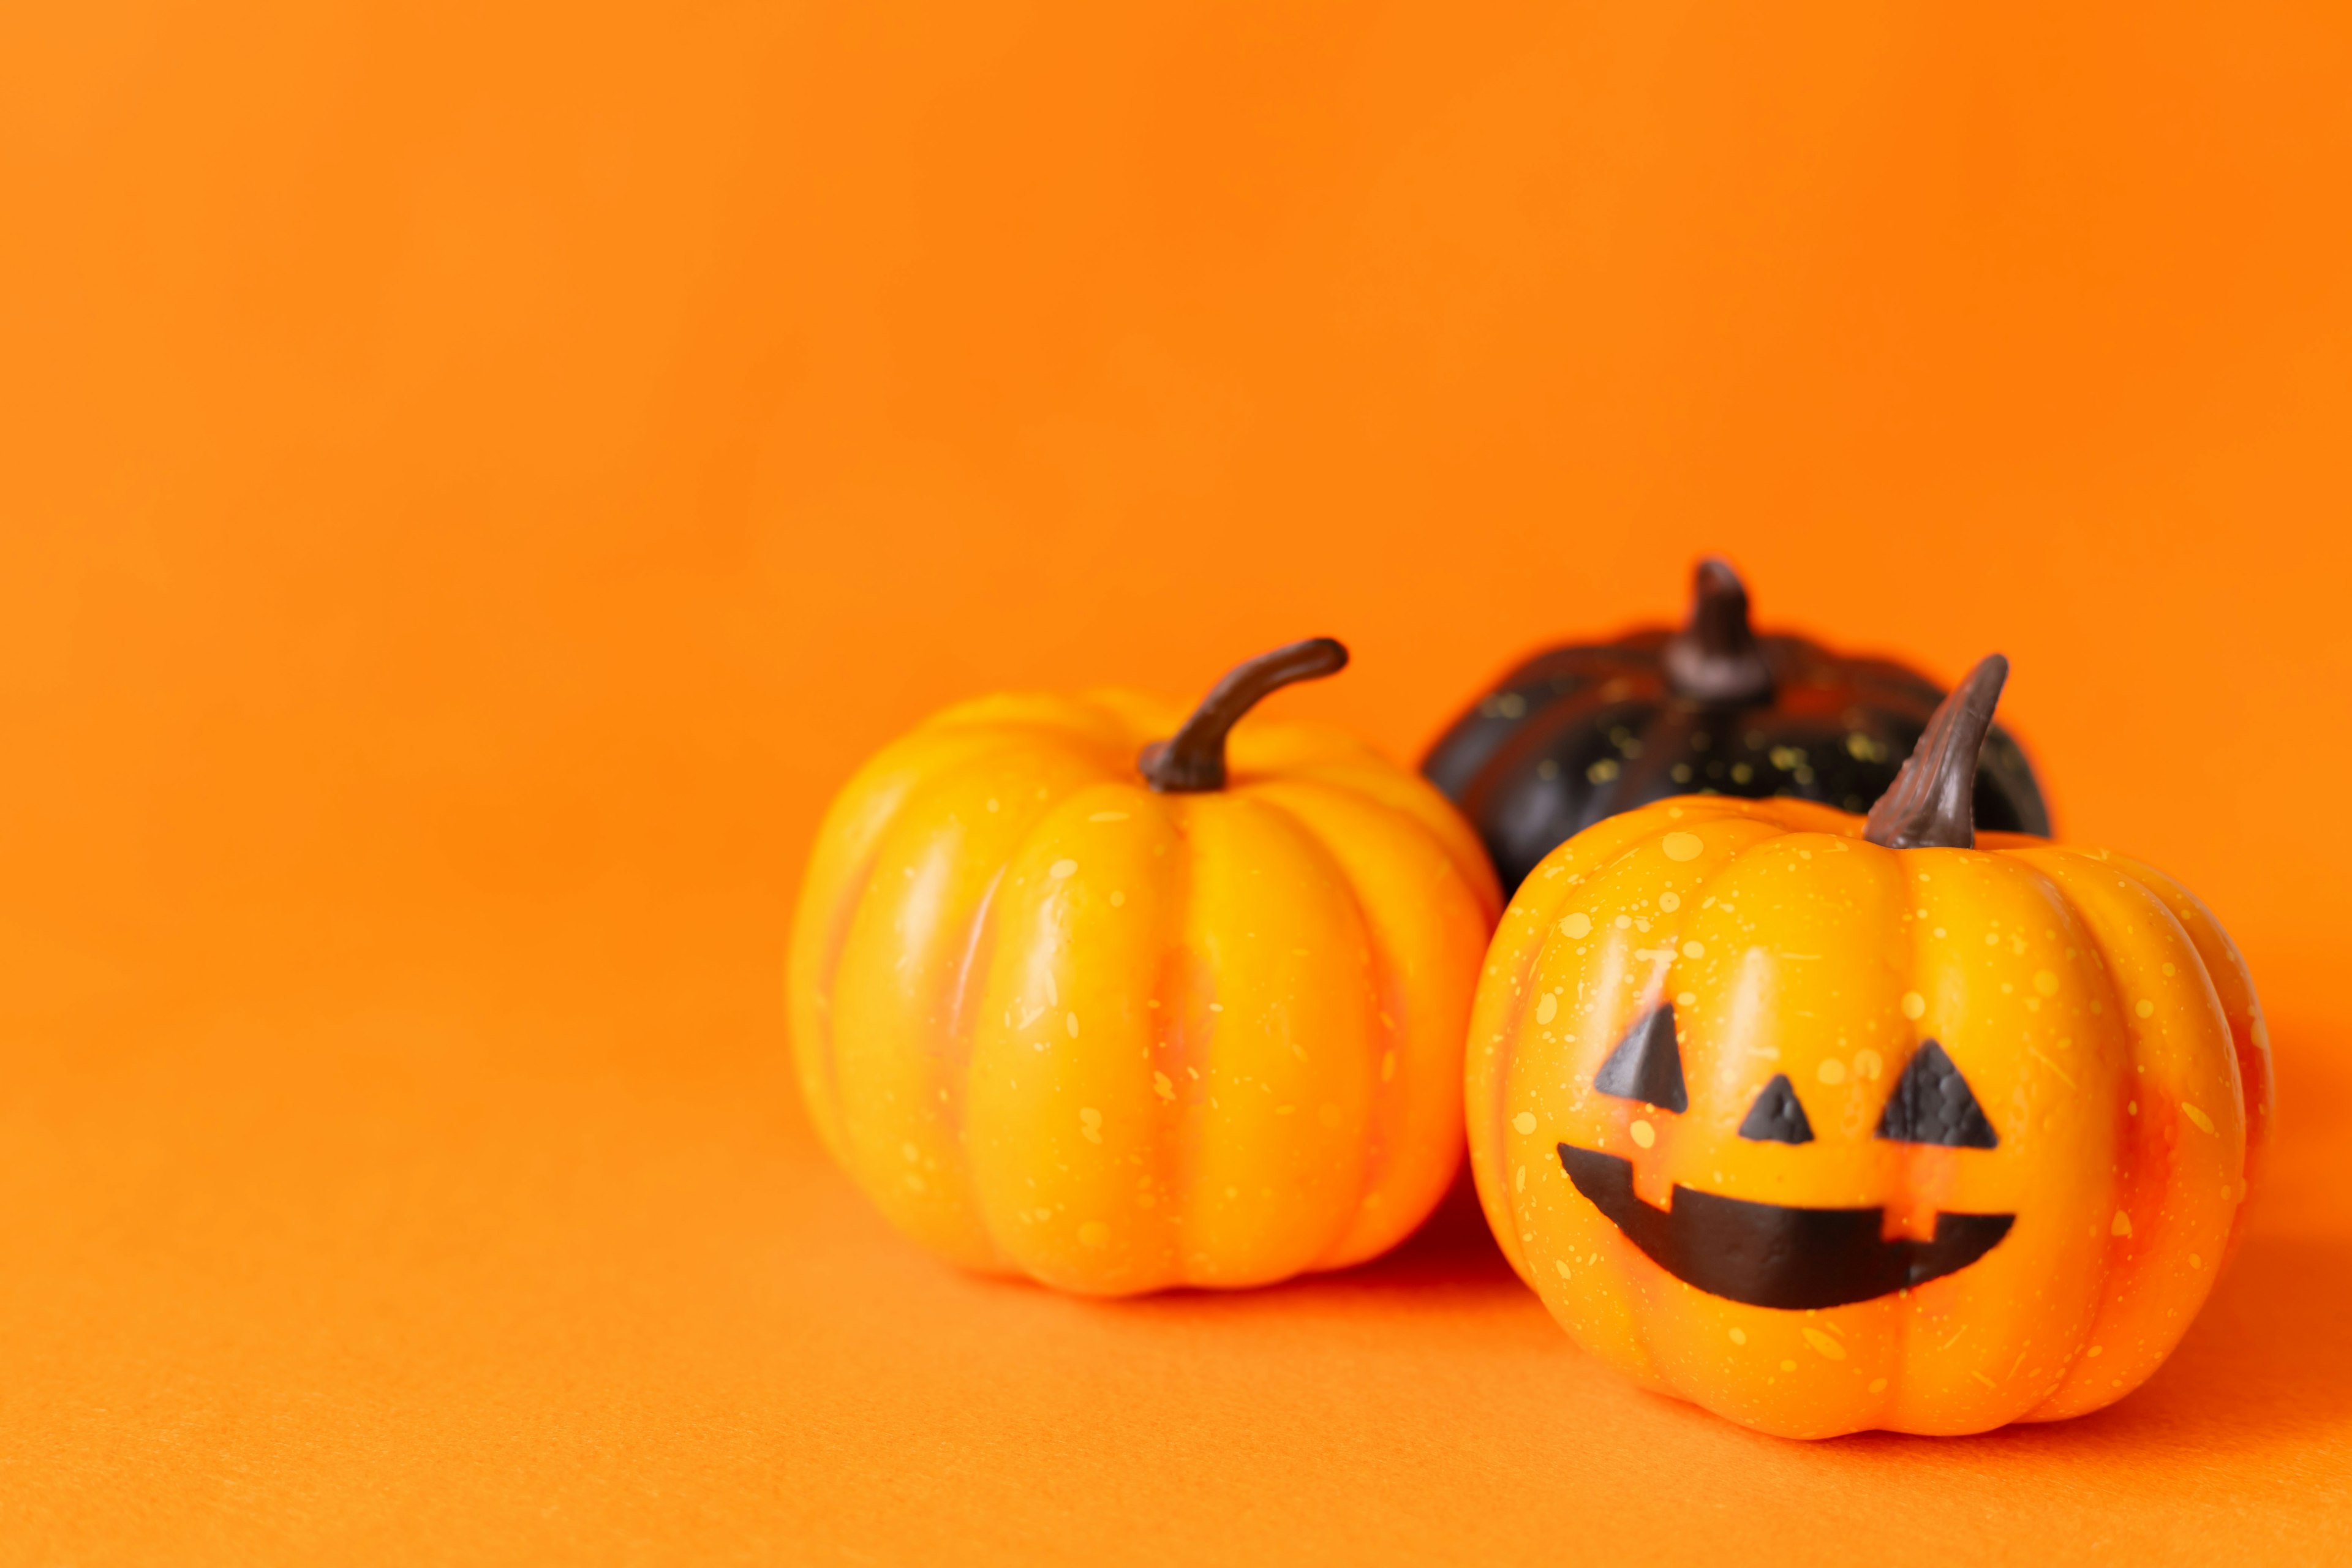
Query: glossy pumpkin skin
1056, 1023
2096, 1010
1578, 732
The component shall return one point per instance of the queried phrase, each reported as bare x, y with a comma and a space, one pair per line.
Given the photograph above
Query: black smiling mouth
1767, 1254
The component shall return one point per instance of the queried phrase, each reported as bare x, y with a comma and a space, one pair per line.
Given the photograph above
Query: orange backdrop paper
474, 478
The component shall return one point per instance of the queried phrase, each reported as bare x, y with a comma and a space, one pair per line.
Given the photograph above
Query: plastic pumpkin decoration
1121, 1015
1827, 1123
1577, 733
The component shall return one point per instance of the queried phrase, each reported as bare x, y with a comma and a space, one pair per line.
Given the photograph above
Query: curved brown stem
1716, 657
1194, 758
1931, 805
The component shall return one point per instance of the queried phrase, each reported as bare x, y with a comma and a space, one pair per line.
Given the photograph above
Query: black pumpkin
1583, 732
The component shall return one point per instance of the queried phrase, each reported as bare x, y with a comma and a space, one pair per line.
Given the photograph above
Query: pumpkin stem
1931, 805
1193, 759
1716, 657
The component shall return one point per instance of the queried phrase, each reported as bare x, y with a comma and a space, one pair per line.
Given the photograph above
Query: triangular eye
1932, 1104
1646, 1065
1778, 1117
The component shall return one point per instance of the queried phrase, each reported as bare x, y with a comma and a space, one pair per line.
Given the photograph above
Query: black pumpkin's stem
1716, 657
1193, 759
1931, 805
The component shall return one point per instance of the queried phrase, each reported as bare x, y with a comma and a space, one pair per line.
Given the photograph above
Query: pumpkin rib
1049, 774
2226, 968
2155, 1158
1283, 1244
963, 1021
848, 845
1374, 1150
1370, 1231
1368, 777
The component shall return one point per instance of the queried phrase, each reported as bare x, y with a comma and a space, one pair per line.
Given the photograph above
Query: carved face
1786, 1255
1827, 1136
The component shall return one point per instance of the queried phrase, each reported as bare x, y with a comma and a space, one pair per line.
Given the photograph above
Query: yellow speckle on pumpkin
1388, 1065
1090, 1124
1877, 1386
1094, 1233
1643, 1133
1060, 869
910, 1152
1823, 1343
2197, 1119
1670, 902
1561, 1264
1788, 1366
1524, 1122
1868, 1063
1117, 899
1681, 846
2122, 1226
1547, 1008
2143, 1006
1739, 1336
1163, 1086
1914, 1004
2093, 1353
2167, 969
1070, 1022
1832, 1070
1625, 922
2195, 1261
1694, 950
1685, 998
1519, 1180
1576, 925
2045, 982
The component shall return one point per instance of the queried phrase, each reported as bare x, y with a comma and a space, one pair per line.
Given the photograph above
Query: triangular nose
1778, 1116
1932, 1103
1647, 1064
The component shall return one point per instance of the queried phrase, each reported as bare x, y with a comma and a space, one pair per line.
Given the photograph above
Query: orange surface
474, 480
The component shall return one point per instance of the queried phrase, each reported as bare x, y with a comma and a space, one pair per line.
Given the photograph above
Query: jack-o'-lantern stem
1716, 657
1193, 759
1931, 805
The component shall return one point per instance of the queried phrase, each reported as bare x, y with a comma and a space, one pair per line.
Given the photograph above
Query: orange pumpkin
1828, 1123
1115, 1018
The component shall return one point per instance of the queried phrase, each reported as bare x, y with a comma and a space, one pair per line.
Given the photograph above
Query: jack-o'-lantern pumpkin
1578, 732
1828, 1123
1121, 1016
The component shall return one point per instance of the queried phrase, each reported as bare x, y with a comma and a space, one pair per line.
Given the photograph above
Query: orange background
474, 478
